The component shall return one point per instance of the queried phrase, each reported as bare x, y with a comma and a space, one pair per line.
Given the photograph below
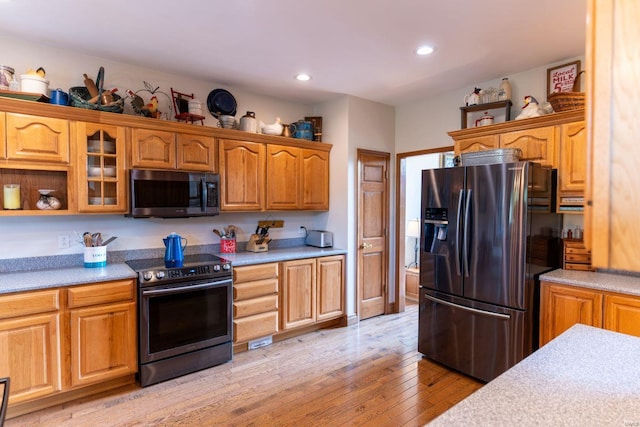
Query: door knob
366, 245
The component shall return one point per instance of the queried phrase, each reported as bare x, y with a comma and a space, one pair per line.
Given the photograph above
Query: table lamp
413, 230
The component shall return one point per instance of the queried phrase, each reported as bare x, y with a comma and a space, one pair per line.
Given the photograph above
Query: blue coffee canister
59, 97
302, 129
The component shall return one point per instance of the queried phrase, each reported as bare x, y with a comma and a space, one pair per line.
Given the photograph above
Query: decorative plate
221, 102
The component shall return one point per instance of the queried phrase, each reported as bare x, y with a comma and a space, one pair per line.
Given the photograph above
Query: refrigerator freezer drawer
477, 339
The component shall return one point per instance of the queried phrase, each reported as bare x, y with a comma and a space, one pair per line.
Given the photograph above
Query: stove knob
160, 274
226, 267
147, 275
216, 267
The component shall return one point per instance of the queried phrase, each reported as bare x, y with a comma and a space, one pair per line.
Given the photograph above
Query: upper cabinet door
537, 145
573, 158
479, 143
3, 126
102, 183
196, 152
242, 175
153, 149
315, 179
283, 177
39, 139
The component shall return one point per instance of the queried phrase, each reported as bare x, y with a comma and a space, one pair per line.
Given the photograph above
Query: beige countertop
574, 380
30, 280
601, 281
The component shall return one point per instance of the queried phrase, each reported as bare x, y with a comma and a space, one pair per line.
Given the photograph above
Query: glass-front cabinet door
101, 170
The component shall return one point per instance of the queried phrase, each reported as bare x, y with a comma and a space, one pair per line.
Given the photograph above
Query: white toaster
319, 238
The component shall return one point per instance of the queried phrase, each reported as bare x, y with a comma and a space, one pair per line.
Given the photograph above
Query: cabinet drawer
256, 326
577, 250
580, 258
100, 293
243, 291
255, 272
255, 306
579, 267
22, 304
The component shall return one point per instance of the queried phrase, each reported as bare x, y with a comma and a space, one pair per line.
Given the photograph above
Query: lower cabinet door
103, 343
561, 307
298, 293
330, 294
622, 314
30, 356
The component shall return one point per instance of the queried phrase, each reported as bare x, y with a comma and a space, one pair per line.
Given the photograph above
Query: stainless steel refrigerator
488, 231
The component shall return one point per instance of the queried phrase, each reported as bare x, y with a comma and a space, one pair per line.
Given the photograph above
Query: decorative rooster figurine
151, 109
530, 109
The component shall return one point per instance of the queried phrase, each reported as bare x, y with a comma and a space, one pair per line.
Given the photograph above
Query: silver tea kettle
174, 250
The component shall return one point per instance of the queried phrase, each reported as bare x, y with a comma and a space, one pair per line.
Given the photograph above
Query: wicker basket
79, 97
567, 101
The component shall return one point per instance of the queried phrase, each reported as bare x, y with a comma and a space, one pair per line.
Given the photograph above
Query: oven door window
188, 319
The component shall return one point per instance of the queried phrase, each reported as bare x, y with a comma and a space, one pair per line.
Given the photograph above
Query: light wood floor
368, 374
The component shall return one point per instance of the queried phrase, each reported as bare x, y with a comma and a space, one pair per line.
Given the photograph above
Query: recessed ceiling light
303, 77
424, 50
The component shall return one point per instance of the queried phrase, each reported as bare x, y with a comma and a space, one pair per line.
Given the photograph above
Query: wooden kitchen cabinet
3, 135
612, 199
102, 330
572, 169
330, 283
298, 293
537, 145
284, 165
314, 179
473, 144
622, 314
195, 152
102, 179
30, 344
242, 175
255, 302
412, 285
575, 255
312, 290
563, 306
153, 149
37, 139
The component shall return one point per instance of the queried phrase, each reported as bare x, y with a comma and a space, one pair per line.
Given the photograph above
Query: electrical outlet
63, 241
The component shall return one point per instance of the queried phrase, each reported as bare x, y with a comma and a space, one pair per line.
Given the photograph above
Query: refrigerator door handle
462, 307
458, 237
466, 252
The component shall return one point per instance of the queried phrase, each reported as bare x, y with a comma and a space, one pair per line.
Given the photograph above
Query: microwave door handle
203, 194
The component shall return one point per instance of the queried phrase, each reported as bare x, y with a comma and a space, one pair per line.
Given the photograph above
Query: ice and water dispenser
436, 227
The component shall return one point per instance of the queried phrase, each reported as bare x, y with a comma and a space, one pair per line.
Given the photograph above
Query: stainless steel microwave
173, 194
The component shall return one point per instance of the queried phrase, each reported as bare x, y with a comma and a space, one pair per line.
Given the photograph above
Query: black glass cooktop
189, 260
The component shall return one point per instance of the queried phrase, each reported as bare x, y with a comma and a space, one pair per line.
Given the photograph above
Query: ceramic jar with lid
248, 122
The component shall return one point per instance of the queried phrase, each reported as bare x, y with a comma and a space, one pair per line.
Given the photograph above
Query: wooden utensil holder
254, 246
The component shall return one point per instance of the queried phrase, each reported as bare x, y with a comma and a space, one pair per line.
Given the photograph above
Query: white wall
38, 236
424, 123
413, 188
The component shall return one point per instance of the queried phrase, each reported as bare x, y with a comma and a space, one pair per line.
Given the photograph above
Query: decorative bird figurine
151, 108
272, 129
530, 108
136, 101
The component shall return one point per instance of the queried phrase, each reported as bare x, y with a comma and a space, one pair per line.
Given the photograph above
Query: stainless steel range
184, 316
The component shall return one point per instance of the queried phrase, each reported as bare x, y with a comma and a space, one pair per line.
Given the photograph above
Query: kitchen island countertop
50, 278
620, 283
586, 376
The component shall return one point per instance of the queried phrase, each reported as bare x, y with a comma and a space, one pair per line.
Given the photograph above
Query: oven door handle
167, 291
